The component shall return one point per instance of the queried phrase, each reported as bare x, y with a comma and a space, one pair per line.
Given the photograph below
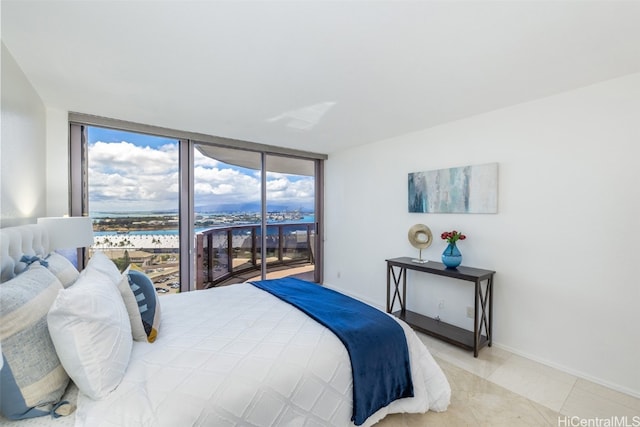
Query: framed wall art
465, 189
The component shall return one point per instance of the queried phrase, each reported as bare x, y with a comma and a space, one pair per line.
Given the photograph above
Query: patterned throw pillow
130, 302
32, 380
60, 266
62, 269
148, 303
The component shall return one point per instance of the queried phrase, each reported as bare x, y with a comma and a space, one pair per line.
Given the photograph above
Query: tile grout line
564, 403
609, 399
500, 364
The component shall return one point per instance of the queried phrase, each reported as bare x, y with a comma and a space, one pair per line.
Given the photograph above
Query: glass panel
227, 201
290, 217
133, 201
227, 204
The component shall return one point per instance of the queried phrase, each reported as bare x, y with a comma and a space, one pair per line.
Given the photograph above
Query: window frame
78, 182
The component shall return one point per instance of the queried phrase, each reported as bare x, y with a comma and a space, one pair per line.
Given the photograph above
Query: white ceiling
313, 75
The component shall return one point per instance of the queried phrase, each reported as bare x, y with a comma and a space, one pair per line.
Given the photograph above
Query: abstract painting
466, 189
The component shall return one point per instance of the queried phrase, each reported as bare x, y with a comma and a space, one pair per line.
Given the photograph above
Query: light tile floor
502, 389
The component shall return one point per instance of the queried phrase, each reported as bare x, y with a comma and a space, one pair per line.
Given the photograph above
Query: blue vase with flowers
451, 257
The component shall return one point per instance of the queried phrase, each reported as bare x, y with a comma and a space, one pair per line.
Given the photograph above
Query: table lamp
69, 235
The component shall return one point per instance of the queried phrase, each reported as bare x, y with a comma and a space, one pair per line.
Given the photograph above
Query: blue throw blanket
376, 343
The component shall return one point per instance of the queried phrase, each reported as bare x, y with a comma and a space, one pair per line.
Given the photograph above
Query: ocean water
273, 229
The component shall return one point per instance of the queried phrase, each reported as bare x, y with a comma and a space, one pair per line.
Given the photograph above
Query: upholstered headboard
30, 240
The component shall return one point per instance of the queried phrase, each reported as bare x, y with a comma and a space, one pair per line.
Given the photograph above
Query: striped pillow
62, 268
32, 380
130, 302
148, 303
56, 263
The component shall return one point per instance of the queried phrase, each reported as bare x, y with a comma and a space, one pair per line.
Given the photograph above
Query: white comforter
237, 355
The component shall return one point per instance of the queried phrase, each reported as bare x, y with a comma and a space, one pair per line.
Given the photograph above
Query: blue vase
451, 257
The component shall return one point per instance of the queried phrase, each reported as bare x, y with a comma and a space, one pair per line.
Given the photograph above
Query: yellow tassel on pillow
63, 409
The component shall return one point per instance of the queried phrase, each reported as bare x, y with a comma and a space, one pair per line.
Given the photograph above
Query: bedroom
563, 243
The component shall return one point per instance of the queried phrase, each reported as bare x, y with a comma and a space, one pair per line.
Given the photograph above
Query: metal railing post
230, 250
280, 235
254, 246
199, 261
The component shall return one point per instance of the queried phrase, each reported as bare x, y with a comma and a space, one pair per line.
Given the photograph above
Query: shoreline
150, 242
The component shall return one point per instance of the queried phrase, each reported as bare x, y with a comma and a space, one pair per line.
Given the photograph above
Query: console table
470, 340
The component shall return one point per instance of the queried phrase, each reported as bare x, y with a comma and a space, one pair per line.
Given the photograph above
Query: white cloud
124, 176
127, 177
277, 185
128, 158
300, 192
230, 182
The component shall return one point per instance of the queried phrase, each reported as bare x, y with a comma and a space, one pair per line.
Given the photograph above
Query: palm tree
107, 243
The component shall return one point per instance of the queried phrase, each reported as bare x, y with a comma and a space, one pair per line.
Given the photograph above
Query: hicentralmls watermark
614, 421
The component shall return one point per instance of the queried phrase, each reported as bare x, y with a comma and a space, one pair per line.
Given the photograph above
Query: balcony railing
225, 252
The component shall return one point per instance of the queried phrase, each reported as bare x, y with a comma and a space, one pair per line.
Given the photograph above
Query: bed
227, 356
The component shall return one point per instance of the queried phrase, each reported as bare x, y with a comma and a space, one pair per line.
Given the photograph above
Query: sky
131, 172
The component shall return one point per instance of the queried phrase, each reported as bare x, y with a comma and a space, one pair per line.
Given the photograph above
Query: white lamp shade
68, 232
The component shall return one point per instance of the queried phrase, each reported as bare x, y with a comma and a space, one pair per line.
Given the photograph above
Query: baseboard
570, 371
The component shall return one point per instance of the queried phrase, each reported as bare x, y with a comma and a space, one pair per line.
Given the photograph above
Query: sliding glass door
228, 215
291, 217
196, 214
250, 219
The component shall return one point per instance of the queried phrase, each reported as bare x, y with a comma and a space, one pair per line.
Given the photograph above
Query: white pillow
90, 330
99, 261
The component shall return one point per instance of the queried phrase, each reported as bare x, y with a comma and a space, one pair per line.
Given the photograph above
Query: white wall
23, 150
564, 243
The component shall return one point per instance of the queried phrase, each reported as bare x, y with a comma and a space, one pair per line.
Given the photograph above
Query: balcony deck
304, 272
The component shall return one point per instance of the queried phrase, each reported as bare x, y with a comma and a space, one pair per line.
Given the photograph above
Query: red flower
452, 236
